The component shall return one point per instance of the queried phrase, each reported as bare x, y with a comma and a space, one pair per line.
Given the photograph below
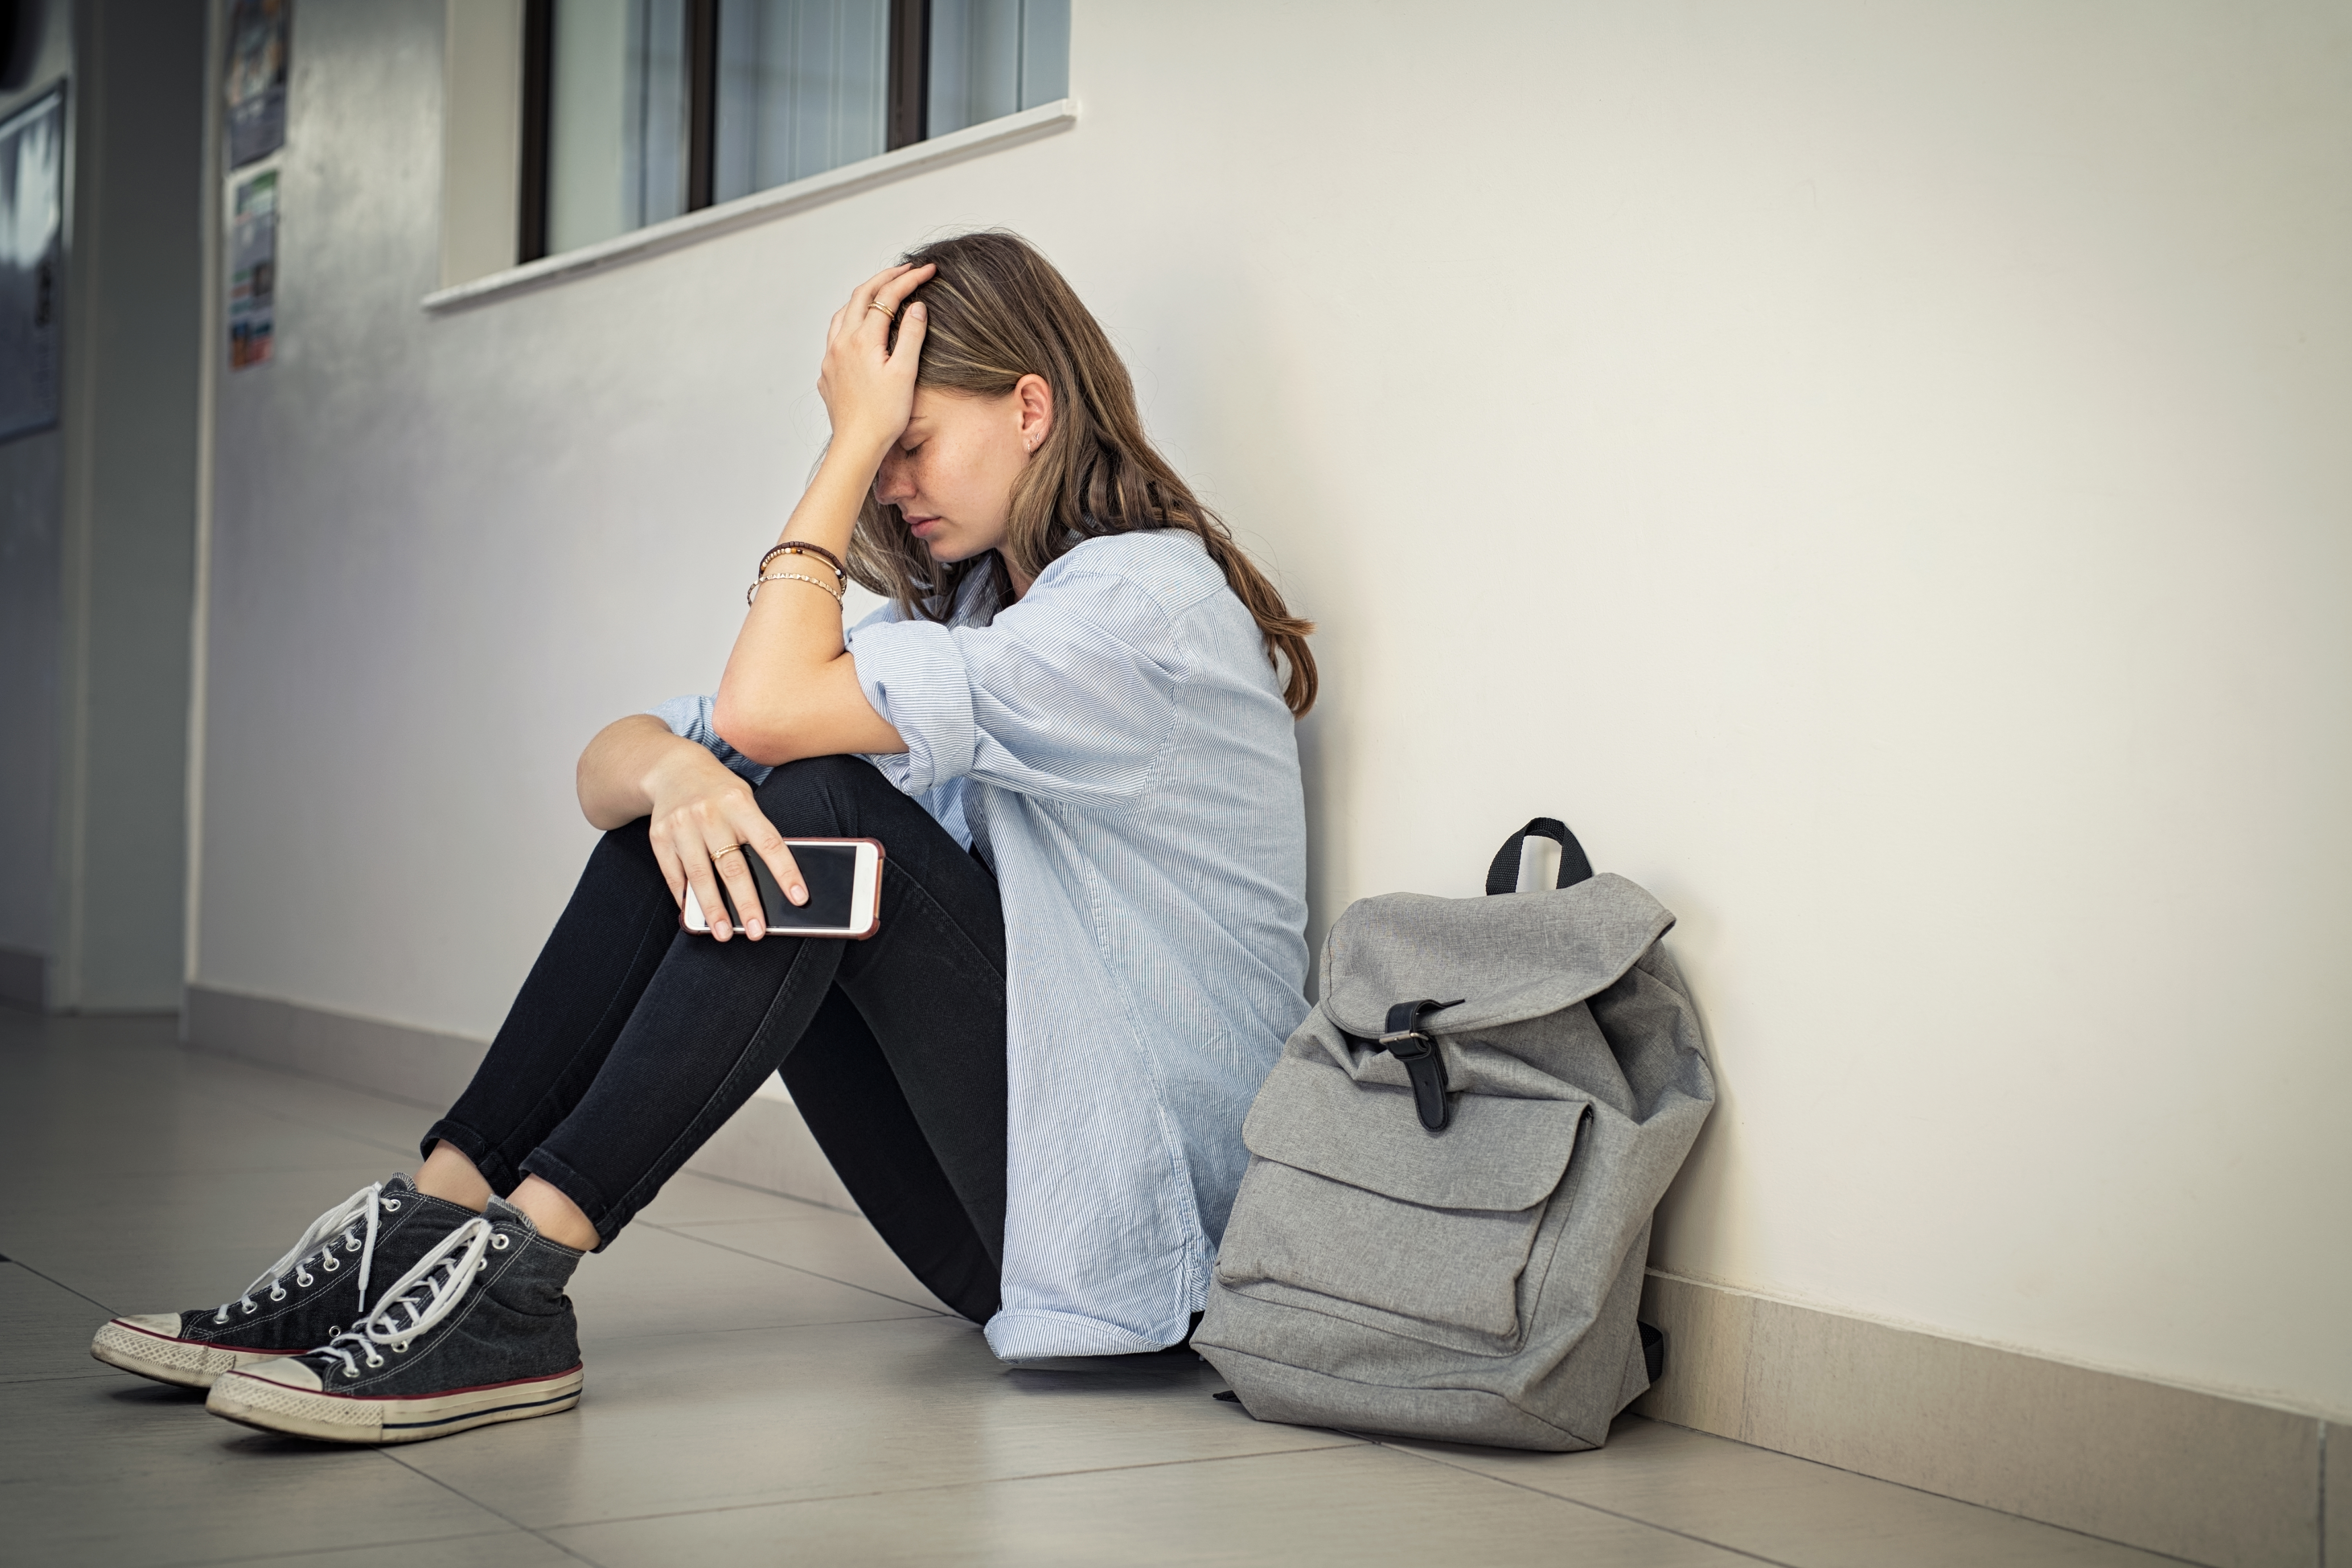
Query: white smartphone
844, 878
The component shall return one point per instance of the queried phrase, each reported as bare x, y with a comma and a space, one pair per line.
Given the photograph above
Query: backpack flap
1510, 957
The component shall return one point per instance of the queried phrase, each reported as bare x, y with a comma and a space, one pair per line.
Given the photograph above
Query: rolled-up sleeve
689, 718
1069, 695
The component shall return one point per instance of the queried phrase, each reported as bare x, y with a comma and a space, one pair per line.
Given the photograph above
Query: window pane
803, 87
617, 131
993, 57
1044, 51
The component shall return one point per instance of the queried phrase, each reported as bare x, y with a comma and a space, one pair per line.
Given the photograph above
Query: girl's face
950, 471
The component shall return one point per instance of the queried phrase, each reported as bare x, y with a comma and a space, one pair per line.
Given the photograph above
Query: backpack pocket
1351, 1199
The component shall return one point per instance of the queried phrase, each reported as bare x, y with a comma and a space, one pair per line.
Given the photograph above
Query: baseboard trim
2193, 1475
23, 979
765, 1145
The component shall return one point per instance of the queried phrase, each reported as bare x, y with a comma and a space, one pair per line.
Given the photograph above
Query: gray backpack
1446, 1216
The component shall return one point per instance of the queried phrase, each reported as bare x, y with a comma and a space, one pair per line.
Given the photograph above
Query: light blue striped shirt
1117, 747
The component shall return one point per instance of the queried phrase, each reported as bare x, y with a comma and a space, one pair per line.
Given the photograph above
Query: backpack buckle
1423, 1063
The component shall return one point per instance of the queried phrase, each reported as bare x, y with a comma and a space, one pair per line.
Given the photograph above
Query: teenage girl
1072, 731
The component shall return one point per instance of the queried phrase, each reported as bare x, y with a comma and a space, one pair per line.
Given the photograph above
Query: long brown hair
998, 310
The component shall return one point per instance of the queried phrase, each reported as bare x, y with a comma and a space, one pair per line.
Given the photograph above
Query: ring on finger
887, 313
730, 850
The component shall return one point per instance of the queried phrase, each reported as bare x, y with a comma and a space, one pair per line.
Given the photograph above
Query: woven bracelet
800, 547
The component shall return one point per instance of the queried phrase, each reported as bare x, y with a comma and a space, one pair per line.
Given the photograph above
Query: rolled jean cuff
503, 1178
580, 1190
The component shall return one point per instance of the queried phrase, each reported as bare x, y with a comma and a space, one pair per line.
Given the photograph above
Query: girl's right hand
704, 822
867, 385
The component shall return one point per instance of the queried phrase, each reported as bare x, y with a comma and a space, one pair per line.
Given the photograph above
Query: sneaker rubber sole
283, 1398
149, 1345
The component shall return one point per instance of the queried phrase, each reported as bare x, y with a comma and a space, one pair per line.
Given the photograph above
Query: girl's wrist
672, 764
859, 452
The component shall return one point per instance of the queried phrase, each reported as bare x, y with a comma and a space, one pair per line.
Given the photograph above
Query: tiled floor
766, 1385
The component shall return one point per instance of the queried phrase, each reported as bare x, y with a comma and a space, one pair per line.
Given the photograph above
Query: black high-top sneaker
478, 1331
326, 1281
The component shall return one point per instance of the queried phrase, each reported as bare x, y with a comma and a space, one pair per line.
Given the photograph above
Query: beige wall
1876, 470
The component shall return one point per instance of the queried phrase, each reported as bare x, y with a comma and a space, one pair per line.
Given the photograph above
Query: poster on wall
32, 262
257, 80
253, 272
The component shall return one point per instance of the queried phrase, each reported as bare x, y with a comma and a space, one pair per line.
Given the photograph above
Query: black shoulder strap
1503, 876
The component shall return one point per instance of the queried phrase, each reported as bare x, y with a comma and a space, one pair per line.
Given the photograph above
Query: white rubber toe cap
288, 1372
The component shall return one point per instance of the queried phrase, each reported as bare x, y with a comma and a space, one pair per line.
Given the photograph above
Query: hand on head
867, 385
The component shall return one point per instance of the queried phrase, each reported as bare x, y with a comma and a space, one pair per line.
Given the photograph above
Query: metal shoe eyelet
351, 1372
480, 1264
251, 1306
221, 1316
391, 1203
375, 1361
334, 1331
278, 1292
498, 1243
304, 1280
330, 1264
350, 1244
400, 1349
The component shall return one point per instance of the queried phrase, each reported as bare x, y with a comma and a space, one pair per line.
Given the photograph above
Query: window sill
759, 206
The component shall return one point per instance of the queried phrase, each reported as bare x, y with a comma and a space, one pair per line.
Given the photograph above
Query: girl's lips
916, 526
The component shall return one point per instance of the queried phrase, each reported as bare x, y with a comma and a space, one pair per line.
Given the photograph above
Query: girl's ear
1036, 405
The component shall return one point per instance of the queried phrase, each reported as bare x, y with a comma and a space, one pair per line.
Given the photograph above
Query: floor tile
691, 1199
683, 1422
1786, 1509
507, 1548
108, 1117
657, 1281
140, 1245
392, 1125
837, 1245
44, 1328
1359, 1506
129, 1474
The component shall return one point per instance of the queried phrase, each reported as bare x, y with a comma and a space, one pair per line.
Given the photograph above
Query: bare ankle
557, 1217
449, 1175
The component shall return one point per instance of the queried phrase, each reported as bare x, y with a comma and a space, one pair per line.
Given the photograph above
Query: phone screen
829, 871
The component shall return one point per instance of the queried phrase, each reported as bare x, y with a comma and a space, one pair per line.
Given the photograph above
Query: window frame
906, 117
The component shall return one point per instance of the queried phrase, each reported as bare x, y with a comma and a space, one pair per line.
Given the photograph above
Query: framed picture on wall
256, 78
32, 262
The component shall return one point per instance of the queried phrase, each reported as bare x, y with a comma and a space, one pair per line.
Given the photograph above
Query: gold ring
887, 313
730, 850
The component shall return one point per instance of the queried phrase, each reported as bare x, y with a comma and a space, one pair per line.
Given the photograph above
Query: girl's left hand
868, 388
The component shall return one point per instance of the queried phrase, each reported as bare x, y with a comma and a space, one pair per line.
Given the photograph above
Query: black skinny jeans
631, 1041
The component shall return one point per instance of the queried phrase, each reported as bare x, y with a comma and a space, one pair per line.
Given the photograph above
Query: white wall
1877, 471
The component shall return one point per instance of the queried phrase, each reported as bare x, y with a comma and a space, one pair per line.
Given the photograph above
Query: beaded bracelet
801, 547
752, 594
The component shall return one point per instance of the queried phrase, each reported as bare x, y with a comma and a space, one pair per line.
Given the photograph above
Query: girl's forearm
781, 696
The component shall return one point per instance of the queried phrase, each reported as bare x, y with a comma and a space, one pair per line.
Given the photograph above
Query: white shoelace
426, 1293
345, 1218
